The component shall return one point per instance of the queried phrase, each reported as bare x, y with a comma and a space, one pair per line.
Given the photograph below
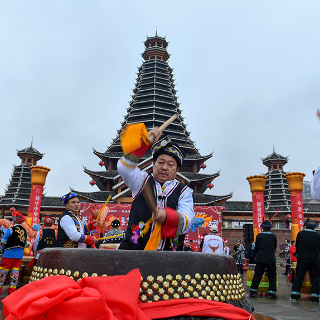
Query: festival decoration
203, 166
38, 180
8, 224
257, 186
197, 223
92, 182
101, 163
295, 183
210, 186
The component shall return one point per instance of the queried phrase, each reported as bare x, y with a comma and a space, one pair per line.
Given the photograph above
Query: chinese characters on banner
34, 207
35, 203
211, 215
258, 210
297, 209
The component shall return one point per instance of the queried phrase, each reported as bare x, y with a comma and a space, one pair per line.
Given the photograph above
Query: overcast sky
247, 75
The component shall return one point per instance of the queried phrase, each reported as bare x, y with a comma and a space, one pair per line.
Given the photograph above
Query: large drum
165, 274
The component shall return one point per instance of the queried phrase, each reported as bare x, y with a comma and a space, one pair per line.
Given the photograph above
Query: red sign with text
35, 203
35, 207
258, 210
297, 209
205, 217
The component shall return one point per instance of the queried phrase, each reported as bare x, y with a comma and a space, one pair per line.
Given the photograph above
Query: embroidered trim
82, 238
70, 244
4, 269
181, 224
185, 191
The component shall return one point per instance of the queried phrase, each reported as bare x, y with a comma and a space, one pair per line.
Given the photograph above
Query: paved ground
266, 309
284, 308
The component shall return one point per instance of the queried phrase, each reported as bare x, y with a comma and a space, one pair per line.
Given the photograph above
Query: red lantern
92, 182
203, 166
101, 163
288, 216
210, 185
12, 209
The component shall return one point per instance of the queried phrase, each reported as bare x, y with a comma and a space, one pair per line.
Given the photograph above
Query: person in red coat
292, 251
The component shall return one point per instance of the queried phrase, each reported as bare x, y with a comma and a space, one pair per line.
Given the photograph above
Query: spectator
212, 243
226, 249
240, 252
287, 256
293, 257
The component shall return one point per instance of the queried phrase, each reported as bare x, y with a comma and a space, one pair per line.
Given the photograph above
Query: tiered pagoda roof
153, 102
276, 195
17, 192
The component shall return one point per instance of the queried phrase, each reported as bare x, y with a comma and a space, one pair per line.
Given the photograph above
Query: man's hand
159, 216
95, 240
154, 135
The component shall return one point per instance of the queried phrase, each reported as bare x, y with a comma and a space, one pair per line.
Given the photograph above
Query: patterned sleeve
185, 211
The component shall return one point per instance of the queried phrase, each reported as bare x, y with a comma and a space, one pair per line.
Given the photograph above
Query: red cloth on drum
104, 298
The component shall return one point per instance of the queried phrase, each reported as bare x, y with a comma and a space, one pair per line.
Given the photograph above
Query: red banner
297, 209
211, 215
34, 208
258, 210
35, 203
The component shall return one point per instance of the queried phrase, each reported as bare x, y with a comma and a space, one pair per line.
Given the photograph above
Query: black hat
115, 223
166, 146
310, 224
266, 224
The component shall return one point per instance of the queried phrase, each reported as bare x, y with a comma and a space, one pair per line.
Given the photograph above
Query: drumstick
110, 237
149, 197
162, 127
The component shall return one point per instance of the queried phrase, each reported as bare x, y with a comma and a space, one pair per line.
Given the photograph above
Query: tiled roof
52, 202
102, 174
209, 200
237, 206
97, 196
30, 150
275, 156
199, 176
